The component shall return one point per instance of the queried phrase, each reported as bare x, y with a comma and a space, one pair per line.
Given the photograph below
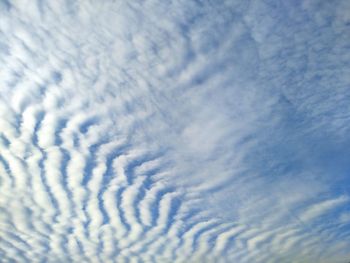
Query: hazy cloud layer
174, 131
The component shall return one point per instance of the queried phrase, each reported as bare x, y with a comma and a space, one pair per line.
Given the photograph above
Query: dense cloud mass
175, 131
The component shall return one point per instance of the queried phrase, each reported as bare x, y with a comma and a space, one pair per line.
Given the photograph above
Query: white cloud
177, 131
322, 208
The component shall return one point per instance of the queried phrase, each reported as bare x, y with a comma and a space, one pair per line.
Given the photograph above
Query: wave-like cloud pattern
174, 131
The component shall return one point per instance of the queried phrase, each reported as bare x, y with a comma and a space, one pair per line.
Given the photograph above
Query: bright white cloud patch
174, 131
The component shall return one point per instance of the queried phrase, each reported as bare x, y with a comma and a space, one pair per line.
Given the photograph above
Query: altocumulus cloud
174, 131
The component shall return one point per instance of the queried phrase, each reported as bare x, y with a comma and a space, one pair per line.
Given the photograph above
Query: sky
175, 131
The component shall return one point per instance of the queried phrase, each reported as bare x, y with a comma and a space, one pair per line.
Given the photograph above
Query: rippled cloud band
174, 131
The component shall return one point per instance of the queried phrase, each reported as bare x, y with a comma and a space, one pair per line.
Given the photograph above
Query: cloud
322, 208
179, 131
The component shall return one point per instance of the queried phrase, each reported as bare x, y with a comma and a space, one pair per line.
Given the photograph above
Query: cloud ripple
174, 131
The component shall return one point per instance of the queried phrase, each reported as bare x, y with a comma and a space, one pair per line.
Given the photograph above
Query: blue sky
174, 131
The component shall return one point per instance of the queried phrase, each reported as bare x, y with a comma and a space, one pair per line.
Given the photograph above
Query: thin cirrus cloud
174, 131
